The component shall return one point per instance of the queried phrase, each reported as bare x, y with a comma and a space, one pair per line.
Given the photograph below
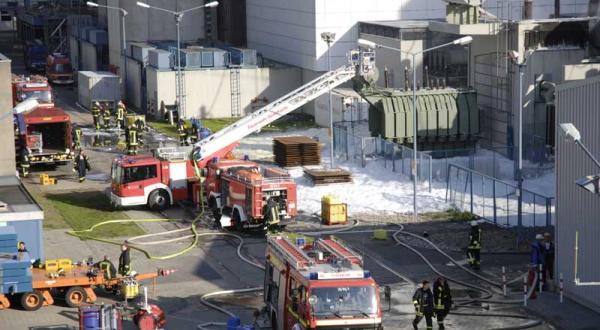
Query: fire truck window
139, 173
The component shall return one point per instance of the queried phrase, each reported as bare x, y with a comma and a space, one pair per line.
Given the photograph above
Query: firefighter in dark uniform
105, 116
132, 140
24, 161
107, 268
182, 131
96, 114
140, 126
423, 301
474, 248
194, 132
125, 260
82, 165
121, 111
77, 134
442, 300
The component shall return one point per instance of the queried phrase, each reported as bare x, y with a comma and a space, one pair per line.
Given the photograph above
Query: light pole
178, 17
369, 44
521, 64
329, 37
124, 43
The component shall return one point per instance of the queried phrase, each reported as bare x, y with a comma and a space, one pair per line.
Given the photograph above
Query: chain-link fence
495, 200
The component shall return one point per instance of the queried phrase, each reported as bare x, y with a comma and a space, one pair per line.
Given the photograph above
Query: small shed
19, 210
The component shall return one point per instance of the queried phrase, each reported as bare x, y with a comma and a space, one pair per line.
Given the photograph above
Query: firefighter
82, 165
77, 138
105, 116
423, 301
125, 260
140, 126
182, 130
107, 268
131, 138
121, 111
194, 131
96, 114
24, 161
474, 247
442, 298
272, 212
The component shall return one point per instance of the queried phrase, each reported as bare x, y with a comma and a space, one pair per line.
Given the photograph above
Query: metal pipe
520, 156
330, 106
178, 18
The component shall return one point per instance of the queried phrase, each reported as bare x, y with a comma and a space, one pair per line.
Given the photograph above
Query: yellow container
54, 265
334, 214
130, 289
45, 179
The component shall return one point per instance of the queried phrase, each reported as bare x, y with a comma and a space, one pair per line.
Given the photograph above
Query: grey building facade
7, 131
578, 210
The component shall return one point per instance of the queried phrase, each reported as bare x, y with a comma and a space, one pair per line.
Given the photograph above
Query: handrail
466, 169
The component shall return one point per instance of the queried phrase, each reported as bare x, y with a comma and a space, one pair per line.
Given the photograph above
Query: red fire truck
59, 69
34, 86
319, 286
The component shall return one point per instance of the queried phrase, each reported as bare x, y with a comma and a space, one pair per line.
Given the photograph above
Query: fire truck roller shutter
236, 195
178, 180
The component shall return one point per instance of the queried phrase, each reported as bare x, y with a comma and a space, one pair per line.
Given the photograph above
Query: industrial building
577, 209
7, 137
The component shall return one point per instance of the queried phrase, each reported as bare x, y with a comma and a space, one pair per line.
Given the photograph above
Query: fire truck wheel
158, 200
75, 296
32, 301
237, 220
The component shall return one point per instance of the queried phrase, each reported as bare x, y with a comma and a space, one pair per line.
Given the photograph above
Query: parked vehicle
34, 86
319, 286
46, 132
59, 69
35, 53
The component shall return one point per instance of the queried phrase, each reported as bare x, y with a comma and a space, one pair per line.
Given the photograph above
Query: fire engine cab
34, 86
319, 286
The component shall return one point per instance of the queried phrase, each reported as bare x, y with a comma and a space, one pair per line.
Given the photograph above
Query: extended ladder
205, 149
234, 82
340, 250
290, 253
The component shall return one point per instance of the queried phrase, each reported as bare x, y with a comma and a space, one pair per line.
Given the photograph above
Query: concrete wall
208, 92
134, 83
289, 30
7, 137
577, 209
89, 56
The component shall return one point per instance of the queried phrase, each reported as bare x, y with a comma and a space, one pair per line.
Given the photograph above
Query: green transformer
447, 118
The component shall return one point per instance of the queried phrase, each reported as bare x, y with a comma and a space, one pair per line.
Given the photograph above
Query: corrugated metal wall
578, 102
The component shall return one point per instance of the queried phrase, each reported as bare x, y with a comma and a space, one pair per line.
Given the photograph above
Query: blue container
91, 318
15, 287
300, 241
204, 133
15, 272
13, 264
233, 323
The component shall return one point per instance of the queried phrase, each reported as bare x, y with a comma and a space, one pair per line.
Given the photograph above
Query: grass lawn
52, 218
217, 124
81, 210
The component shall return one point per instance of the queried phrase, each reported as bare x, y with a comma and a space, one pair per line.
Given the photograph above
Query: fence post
471, 186
494, 199
561, 288
503, 281
448, 182
524, 290
430, 172
346, 138
362, 152
548, 213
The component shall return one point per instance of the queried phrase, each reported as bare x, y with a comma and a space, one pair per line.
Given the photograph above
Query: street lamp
178, 17
590, 183
329, 38
521, 64
124, 43
369, 44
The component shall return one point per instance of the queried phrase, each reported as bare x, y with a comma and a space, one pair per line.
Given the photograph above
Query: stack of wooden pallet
296, 151
321, 177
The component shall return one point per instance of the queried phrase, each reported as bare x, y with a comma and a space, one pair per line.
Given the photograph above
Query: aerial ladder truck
240, 193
